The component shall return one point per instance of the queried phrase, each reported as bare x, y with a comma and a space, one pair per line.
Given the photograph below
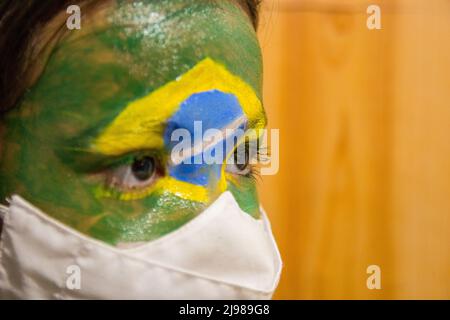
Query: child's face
89, 143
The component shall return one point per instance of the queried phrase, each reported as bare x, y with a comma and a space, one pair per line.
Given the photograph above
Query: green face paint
132, 50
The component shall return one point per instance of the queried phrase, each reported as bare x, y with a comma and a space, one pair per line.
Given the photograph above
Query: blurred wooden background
364, 119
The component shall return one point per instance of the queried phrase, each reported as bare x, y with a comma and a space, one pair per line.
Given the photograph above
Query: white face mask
222, 254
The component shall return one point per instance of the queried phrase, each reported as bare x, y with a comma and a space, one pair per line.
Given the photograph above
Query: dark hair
19, 23
252, 7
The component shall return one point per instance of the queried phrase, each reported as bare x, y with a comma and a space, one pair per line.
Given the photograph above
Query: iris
143, 168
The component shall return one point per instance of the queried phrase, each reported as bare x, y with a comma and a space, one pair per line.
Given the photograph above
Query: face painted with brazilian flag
91, 143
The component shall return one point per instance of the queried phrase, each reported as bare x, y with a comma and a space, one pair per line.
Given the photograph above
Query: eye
240, 163
141, 173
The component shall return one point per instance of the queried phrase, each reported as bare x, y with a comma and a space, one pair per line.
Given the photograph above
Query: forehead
128, 50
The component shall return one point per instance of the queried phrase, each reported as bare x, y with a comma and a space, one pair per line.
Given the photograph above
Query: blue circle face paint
199, 114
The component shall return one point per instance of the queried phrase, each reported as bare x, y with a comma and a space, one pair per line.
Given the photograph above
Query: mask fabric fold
223, 253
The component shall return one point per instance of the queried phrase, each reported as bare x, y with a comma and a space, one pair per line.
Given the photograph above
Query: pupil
143, 168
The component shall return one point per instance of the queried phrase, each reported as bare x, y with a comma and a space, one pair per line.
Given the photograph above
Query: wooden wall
364, 119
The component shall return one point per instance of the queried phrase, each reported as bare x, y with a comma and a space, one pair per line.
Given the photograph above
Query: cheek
144, 220
245, 192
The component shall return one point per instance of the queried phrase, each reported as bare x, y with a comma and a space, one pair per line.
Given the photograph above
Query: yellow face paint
140, 125
181, 189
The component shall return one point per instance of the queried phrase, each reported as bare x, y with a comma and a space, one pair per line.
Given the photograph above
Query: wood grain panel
364, 166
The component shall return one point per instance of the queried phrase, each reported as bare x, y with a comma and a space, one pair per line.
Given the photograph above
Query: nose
210, 111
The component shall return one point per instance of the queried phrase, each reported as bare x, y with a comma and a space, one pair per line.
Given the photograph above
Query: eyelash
254, 173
